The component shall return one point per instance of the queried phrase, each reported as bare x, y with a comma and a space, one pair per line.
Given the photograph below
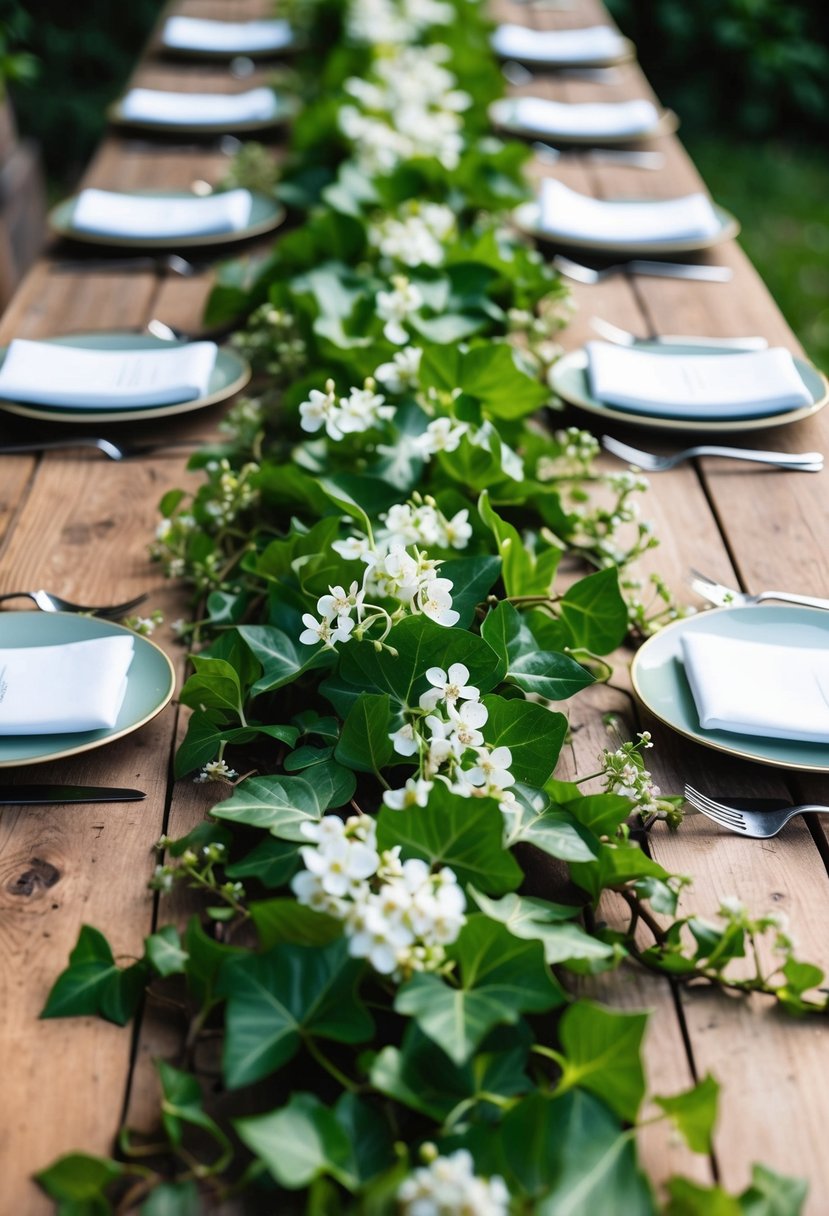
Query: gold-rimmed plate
570, 379
150, 683
503, 115
230, 374
527, 218
266, 214
659, 680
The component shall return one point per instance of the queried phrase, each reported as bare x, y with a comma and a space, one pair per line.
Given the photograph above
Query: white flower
465, 722
434, 600
442, 435
352, 549
340, 862
379, 939
340, 602
448, 686
216, 770
405, 740
318, 409
396, 306
414, 793
448, 1186
321, 631
402, 372
457, 530
492, 769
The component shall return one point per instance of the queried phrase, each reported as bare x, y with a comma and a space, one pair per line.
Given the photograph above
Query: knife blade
32, 795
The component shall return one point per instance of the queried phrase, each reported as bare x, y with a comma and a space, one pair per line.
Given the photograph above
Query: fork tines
726, 816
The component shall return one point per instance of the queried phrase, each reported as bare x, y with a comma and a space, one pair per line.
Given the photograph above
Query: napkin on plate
145, 217
566, 213
232, 37
733, 385
593, 44
50, 373
195, 109
589, 120
51, 690
755, 688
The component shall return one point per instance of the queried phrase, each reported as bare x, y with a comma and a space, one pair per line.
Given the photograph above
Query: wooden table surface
79, 525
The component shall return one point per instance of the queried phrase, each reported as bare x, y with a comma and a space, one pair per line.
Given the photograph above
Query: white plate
666, 124
230, 374
570, 380
527, 218
150, 683
286, 109
660, 683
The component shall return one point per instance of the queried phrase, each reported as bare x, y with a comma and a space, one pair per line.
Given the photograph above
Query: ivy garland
394, 1003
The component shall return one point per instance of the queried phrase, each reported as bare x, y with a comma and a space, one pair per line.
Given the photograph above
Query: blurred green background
749, 79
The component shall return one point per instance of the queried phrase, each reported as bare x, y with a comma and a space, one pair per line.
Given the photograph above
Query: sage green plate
265, 215
230, 373
570, 380
527, 220
150, 683
660, 684
502, 114
286, 109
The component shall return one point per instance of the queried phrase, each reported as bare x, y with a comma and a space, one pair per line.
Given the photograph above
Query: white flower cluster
445, 434
403, 372
396, 306
446, 737
416, 235
412, 108
361, 410
397, 914
416, 522
448, 1186
390, 21
625, 774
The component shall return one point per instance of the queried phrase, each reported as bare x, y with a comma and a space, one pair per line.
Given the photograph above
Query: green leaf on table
182, 1104
500, 978
369, 1136
364, 743
94, 984
215, 685
551, 924
278, 804
533, 733
594, 612
472, 578
464, 834
77, 1177
285, 920
533, 819
602, 1050
490, 373
334, 785
272, 862
165, 951
299, 1142
601, 814
687, 1198
614, 865
523, 572
201, 836
283, 658
205, 959
306, 756
773, 1194
506, 631
275, 999
548, 674
694, 1113
205, 737
173, 1199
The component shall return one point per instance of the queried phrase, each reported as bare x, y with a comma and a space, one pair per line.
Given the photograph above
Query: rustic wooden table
79, 525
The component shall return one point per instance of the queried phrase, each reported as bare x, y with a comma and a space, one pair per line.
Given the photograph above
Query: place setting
205, 38
178, 113
595, 46
572, 123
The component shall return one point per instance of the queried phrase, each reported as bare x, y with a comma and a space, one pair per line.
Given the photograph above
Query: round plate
526, 218
570, 380
660, 684
666, 124
150, 683
627, 51
265, 215
230, 373
286, 109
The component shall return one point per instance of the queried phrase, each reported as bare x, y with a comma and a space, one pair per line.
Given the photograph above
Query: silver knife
32, 795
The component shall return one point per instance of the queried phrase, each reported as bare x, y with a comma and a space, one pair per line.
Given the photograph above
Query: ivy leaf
215, 685
490, 373
464, 834
688, 1198
94, 983
533, 733
772, 1194
594, 612
601, 814
205, 959
524, 572
602, 1049
274, 999
279, 804
539, 920
615, 864
285, 920
283, 659
369, 1137
165, 951
694, 1112
272, 862
182, 1104
532, 819
333, 784
298, 1143
472, 578
506, 631
78, 1177
173, 1199
364, 742
501, 978
204, 737
548, 674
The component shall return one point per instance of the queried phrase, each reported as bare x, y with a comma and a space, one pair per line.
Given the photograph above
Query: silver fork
725, 597
648, 462
623, 337
47, 602
745, 818
660, 270
110, 449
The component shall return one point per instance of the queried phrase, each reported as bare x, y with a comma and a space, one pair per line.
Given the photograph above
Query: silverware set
46, 601
649, 462
727, 597
122, 450
639, 266
622, 337
759, 818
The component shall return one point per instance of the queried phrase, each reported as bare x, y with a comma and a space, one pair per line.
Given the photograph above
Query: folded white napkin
593, 44
158, 106
232, 37
592, 119
51, 690
566, 213
52, 374
732, 385
145, 217
754, 688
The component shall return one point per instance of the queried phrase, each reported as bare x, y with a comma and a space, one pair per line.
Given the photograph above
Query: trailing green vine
401, 567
